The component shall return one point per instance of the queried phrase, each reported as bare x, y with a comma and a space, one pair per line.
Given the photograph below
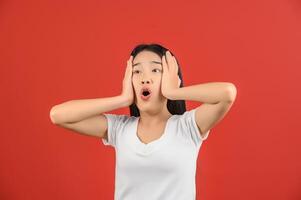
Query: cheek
135, 85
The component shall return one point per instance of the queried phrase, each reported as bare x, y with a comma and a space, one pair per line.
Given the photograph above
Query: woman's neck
151, 119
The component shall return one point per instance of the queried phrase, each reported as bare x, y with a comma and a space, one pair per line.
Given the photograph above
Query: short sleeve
116, 125
190, 126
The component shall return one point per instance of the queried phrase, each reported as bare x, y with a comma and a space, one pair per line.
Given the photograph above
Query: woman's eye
137, 71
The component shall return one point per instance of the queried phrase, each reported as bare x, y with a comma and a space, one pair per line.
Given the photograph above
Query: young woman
157, 146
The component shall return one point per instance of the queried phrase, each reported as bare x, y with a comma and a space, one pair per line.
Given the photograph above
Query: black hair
173, 106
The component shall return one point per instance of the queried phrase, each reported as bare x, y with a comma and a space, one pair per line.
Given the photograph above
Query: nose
146, 80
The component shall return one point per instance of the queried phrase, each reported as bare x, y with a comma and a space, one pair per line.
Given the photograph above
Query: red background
55, 51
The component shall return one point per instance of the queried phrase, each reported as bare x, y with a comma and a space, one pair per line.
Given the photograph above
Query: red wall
55, 51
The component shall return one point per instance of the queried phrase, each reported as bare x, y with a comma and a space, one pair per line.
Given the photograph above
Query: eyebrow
156, 62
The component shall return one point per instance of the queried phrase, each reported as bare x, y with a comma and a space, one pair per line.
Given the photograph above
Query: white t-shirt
163, 169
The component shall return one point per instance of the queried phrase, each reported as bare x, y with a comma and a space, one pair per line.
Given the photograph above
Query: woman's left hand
170, 79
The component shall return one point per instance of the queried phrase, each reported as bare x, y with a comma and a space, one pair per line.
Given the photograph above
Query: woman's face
147, 72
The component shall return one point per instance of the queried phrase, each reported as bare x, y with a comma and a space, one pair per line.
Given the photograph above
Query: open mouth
145, 94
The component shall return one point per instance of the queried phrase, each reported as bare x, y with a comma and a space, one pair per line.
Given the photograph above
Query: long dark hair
173, 106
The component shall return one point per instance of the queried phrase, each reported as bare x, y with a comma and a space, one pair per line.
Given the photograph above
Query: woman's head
147, 72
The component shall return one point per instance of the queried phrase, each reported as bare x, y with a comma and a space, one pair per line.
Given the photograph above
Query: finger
169, 58
131, 62
164, 64
171, 63
175, 64
130, 59
129, 65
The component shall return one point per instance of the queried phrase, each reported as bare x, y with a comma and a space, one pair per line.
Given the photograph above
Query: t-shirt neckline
151, 146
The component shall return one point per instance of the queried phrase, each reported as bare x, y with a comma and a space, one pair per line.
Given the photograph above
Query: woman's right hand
127, 88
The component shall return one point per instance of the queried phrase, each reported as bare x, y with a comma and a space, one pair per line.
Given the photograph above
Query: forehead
146, 57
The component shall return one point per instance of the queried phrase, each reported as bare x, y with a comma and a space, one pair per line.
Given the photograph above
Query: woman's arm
77, 110
211, 92
217, 99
